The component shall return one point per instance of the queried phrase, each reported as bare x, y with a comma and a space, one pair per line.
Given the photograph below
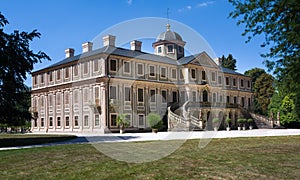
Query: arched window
205, 96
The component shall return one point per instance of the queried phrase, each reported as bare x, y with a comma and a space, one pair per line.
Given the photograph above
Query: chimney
218, 61
136, 45
109, 40
87, 47
69, 52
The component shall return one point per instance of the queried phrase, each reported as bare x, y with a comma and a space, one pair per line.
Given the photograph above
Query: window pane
113, 120
113, 92
86, 120
193, 72
127, 94
67, 121
140, 95
141, 120
164, 96
152, 95
163, 72
113, 65
127, 67
140, 69
151, 68
203, 75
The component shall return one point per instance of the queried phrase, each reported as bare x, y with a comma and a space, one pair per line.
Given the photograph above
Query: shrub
154, 121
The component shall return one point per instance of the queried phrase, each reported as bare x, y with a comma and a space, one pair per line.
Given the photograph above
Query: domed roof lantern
169, 44
169, 35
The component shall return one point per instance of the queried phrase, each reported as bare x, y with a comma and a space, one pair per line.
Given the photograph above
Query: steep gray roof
120, 52
136, 54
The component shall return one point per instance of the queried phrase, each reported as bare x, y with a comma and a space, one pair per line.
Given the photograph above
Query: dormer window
170, 48
159, 50
180, 49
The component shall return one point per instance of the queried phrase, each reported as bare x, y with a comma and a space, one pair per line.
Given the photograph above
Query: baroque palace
86, 92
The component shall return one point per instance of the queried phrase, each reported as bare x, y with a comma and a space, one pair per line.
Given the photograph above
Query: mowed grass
235, 158
12, 140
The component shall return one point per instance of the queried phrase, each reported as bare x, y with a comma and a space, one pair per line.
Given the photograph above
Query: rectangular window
58, 99
181, 74
113, 65
170, 48
42, 122
242, 83
127, 93
85, 95
213, 76
126, 66
141, 120
203, 75
97, 121
76, 120
193, 73
67, 121
86, 120
174, 93
50, 76
42, 78
128, 118
159, 49
234, 100
85, 67
67, 98
249, 102
76, 70
163, 72
227, 81
58, 74
140, 95
214, 97
219, 79
67, 72
58, 122
96, 65
50, 121
35, 80
113, 92
228, 99
140, 69
164, 96
248, 84
152, 71
97, 93
152, 95
180, 49
174, 73
233, 82
113, 120
221, 98
76, 96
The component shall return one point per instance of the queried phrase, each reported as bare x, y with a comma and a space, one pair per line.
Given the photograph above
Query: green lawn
11, 140
235, 158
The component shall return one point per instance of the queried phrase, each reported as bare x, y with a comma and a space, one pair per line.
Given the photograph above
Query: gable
204, 60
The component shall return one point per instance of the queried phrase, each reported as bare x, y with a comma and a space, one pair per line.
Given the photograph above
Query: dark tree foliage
279, 22
255, 73
17, 59
228, 62
263, 91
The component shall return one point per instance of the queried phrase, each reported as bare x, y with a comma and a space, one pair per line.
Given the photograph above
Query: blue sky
69, 23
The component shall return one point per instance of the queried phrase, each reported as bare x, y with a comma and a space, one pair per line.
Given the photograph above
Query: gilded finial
168, 27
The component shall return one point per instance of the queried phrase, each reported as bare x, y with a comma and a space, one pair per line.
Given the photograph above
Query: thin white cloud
199, 5
204, 4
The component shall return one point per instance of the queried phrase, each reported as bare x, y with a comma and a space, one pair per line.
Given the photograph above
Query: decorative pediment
203, 59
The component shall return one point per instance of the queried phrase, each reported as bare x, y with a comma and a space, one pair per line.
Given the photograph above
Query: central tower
169, 44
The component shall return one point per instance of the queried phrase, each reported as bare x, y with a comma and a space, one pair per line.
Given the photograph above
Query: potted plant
228, 120
216, 124
240, 122
122, 122
250, 121
154, 122
244, 124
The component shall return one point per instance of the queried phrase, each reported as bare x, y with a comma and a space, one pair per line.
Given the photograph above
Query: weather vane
168, 15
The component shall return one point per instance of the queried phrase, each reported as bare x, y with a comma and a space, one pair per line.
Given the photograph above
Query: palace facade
86, 92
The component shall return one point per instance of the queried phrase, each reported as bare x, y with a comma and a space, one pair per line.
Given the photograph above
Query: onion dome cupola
170, 44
